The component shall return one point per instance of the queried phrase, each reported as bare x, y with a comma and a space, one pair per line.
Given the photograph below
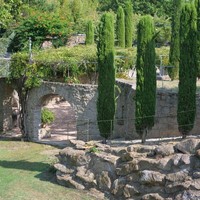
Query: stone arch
82, 98
64, 125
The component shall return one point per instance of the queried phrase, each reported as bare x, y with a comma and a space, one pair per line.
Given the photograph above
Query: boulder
164, 150
127, 168
63, 168
118, 187
180, 176
165, 164
188, 146
196, 175
73, 157
67, 181
152, 177
103, 162
103, 181
198, 153
187, 195
152, 196
86, 176
171, 188
195, 184
147, 164
130, 191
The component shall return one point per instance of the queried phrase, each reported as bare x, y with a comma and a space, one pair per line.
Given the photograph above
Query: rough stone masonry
156, 171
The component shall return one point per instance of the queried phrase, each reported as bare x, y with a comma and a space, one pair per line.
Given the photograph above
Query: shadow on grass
47, 172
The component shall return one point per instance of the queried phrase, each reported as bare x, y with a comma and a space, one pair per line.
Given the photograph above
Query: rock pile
166, 171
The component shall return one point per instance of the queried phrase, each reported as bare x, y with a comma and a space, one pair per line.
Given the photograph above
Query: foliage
4, 43
47, 116
159, 7
163, 31
142, 7
120, 27
187, 70
89, 33
106, 80
174, 55
40, 27
128, 24
67, 63
197, 3
125, 59
94, 149
24, 76
9, 11
145, 99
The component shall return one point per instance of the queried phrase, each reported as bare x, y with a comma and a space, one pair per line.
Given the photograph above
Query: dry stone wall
157, 171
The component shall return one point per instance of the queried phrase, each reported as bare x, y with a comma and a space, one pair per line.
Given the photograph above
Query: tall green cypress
187, 70
106, 79
120, 27
145, 99
174, 54
128, 24
197, 2
89, 33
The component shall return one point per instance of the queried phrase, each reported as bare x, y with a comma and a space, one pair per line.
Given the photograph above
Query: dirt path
64, 126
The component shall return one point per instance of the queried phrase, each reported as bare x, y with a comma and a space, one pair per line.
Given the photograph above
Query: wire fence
164, 126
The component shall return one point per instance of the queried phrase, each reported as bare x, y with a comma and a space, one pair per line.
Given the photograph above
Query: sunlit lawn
25, 174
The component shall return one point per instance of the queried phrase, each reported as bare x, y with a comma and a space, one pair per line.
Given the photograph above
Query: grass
25, 174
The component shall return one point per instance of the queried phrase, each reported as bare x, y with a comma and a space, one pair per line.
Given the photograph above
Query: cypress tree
145, 99
128, 24
198, 35
174, 54
188, 70
106, 79
120, 27
89, 33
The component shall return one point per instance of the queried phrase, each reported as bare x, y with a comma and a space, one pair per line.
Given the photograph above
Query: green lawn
25, 174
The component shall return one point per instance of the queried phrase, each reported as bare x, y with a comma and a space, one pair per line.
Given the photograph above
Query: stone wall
82, 98
156, 171
165, 118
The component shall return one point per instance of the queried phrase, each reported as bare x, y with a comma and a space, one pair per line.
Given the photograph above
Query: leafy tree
187, 70
145, 99
89, 33
106, 80
120, 27
24, 76
40, 27
174, 55
9, 12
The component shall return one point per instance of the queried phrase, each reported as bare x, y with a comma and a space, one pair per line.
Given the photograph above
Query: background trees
120, 29
174, 55
187, 70
197, 3
89, 33
106, 80
128, 24
145, 99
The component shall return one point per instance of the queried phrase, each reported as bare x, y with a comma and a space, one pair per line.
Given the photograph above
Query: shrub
47, 116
